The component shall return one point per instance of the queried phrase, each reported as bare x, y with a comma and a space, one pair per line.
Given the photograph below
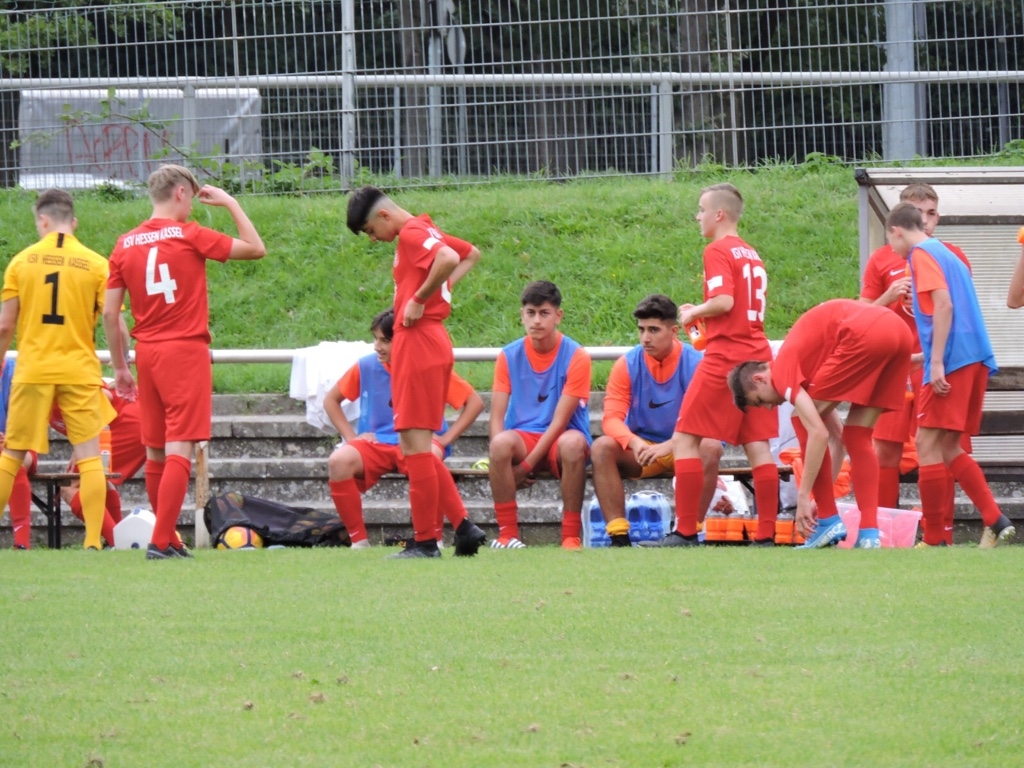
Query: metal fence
311, 94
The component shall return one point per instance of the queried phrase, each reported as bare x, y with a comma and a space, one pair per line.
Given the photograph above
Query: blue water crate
648, 512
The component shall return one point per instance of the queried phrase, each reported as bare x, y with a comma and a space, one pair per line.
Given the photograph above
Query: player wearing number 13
52, 295
735, 288
162, 265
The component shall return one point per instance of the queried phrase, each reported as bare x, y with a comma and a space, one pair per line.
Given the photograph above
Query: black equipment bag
275, 523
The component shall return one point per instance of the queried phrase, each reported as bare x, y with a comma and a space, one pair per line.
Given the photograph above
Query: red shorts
868, 369
708, 410
550, 462
899, 426
378, 460
960, 410
175, 391
127, 453
421, 368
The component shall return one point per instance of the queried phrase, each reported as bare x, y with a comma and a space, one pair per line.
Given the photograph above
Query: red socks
948, 508
822, 490
863, 472
153, 472
967, 472
449, 501
349, 503
20, 505
171, 496
507, 515
766, 499
689, 484
931, 481
572, 525
889, 487
423, 495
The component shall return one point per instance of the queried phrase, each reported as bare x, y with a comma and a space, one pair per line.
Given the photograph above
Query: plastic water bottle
649, 515
105, 443
594, 533
696, 332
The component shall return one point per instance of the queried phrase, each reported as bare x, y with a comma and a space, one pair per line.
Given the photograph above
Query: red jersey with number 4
733, 268
418, 244
162, 265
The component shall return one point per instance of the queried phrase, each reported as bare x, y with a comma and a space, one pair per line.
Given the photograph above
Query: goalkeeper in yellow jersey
52, 296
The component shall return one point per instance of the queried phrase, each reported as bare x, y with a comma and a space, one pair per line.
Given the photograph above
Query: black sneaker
153, 552
182, 552
620, 540
762, 542
426, 549
673, 539
468, 538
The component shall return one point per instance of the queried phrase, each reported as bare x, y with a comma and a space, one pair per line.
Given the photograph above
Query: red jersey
814, 337
418, 244
162, 265
886, 267
733, 268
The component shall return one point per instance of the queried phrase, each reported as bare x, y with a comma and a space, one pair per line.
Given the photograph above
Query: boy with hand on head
539, 418
839, 351
958, 361
637, 442
371, 449
52, 293
886, 282
427, 265
735, 295
161, 264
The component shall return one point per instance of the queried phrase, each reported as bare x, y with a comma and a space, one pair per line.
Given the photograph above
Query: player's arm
814, 455
112, 325
465, 265
836, 449
446, 261
499, 405
248, 245
942, 321
332, 407
1015, 296
8, 323
713, 307
472, 408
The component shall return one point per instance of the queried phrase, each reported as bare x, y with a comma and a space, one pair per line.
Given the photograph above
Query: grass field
718, 657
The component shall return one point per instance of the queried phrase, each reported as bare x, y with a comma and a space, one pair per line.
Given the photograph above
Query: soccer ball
240, 537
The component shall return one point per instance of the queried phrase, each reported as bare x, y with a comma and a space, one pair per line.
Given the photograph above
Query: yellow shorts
85, 409
663, 465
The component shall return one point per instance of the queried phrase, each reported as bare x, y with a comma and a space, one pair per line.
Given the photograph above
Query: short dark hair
541, 292
384, 322
55, 203
360, 202
657, 306
741, 379
919, 193
905, 216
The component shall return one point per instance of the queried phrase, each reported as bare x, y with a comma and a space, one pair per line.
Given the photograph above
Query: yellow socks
93, 493
618, 527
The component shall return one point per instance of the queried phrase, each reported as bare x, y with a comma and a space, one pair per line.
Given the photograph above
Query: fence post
665, 139
899, 100
188, 117
348, 90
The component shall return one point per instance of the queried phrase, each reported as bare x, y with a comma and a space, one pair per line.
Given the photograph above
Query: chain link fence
277, 95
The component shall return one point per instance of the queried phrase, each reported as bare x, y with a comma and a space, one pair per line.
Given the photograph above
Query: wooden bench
50, 506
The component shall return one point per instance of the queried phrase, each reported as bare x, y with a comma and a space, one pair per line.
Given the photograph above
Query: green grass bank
607, 243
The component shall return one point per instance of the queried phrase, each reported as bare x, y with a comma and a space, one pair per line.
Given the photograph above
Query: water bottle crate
648, 512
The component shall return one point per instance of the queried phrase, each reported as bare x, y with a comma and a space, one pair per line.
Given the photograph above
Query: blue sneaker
868, 538
830, 531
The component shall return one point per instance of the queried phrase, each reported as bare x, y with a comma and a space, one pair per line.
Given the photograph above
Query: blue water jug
594, 534
649, 515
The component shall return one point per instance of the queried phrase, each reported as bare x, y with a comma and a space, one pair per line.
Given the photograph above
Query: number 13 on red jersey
757, 287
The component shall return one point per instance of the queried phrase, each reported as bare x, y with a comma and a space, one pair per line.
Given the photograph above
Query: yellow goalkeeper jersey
60, 286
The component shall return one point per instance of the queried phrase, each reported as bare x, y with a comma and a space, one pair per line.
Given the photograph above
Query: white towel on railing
316, 369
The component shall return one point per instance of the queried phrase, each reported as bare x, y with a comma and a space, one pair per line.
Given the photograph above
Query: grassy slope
722, 657
607, 243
